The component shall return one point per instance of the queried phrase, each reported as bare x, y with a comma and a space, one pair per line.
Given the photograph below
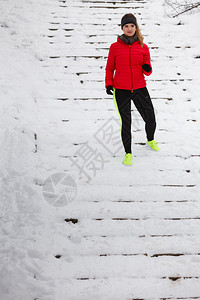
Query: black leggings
142, 101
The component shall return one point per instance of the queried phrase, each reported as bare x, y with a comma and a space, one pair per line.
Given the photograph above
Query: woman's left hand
146, 67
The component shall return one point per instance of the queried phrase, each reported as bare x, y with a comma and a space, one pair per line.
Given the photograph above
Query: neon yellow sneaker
128, 159
153, 145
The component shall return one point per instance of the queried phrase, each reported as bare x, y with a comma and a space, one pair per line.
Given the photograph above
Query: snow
133, 228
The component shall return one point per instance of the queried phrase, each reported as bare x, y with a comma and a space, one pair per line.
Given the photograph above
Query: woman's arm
110, 67
147, 68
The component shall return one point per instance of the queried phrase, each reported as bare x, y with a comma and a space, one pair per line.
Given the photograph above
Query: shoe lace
153, 142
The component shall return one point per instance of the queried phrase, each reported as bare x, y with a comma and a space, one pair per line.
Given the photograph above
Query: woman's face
129, 29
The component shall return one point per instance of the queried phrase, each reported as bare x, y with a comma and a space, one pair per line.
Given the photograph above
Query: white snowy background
130, 232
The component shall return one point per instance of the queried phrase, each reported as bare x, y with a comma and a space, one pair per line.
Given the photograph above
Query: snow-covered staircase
130, 233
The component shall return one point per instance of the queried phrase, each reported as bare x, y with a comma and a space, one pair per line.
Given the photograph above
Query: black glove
109, 90
147, 68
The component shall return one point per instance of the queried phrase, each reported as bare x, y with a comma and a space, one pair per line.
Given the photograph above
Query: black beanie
128, 20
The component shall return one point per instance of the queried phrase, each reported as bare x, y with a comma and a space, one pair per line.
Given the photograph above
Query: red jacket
127, 60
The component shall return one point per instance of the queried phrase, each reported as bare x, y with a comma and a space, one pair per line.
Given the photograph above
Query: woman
128, 61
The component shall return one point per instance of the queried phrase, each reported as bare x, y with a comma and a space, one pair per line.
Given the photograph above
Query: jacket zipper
130, 67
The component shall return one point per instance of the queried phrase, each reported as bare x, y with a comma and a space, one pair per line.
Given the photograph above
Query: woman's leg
122, 100
142, 101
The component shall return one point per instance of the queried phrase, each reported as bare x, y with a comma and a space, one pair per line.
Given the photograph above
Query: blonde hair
138, 32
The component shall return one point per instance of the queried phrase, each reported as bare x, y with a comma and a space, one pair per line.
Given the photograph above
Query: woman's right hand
109, 90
